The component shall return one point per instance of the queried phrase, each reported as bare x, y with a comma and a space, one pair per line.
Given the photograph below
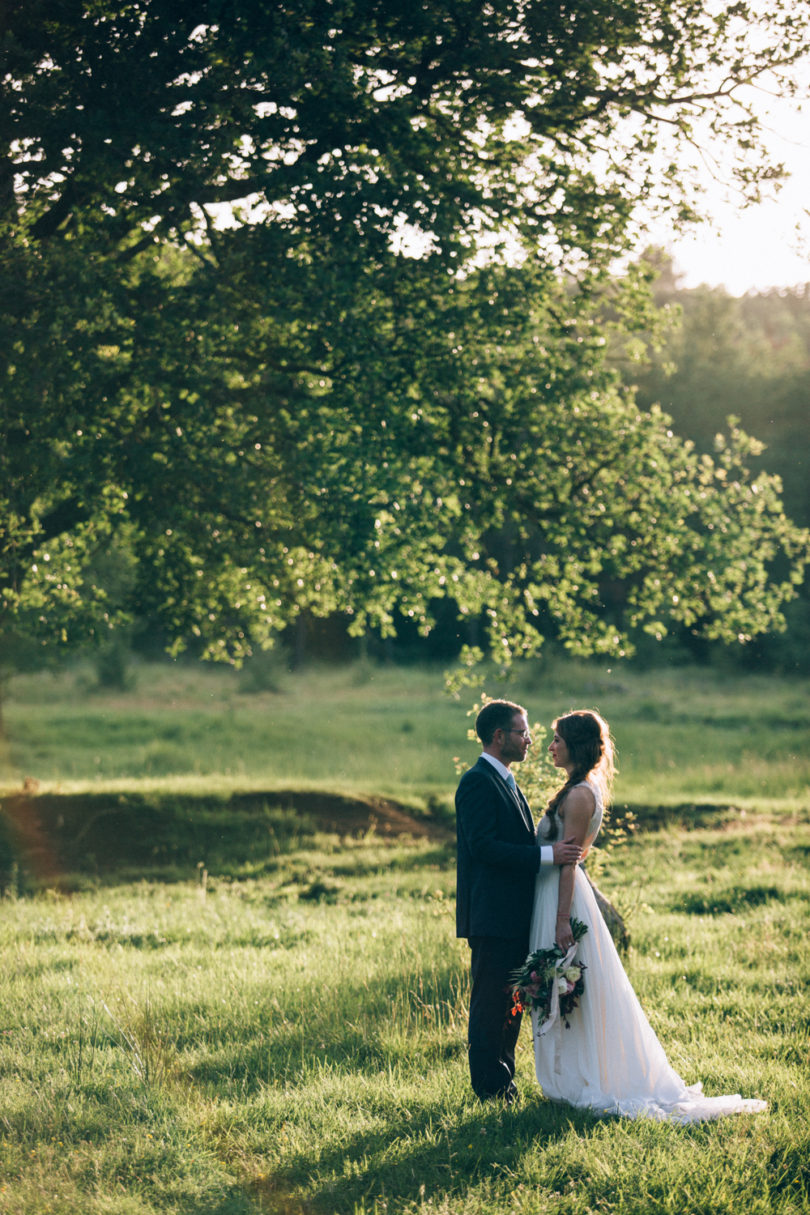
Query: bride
609, 1060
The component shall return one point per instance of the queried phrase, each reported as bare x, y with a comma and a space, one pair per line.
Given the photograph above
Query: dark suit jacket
498, 857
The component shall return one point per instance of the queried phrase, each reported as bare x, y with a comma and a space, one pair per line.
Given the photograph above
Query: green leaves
144, 115
269, 409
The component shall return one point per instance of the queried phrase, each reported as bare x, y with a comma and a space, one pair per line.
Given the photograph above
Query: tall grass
286, 1034
296, 1043
684, 735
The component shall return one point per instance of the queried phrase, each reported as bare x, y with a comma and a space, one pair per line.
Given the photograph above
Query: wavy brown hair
590, 748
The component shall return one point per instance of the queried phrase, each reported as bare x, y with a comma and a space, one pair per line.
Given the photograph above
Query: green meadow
684, 734
280, 1026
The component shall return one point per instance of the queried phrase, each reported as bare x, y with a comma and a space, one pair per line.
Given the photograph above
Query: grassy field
684, 735
285, 1033
295, 1043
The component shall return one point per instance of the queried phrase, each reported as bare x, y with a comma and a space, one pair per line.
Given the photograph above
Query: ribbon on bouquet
554, 1007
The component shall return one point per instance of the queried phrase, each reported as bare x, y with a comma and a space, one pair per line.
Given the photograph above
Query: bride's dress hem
684, 1113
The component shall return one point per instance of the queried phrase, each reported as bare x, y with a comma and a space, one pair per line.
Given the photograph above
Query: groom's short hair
495, 715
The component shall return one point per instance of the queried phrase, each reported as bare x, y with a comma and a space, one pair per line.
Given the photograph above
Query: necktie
511, 782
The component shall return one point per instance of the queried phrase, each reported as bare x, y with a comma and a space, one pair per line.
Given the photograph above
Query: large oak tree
223, 362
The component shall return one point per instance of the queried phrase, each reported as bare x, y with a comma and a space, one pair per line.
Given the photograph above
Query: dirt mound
340, 814
47, 835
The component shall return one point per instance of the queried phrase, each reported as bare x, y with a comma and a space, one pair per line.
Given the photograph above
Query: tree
289, 412
135, 116
750, 357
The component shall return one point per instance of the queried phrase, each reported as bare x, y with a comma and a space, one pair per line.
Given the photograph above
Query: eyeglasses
522, 733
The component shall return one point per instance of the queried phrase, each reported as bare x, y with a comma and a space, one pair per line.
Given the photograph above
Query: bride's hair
590, 750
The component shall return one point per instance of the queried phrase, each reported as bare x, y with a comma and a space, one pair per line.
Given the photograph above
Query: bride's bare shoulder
581, 797
577, 809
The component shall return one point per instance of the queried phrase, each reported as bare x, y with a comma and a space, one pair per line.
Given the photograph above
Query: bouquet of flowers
550, 981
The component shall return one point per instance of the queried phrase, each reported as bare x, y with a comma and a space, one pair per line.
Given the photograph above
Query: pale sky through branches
762, 246
752, 248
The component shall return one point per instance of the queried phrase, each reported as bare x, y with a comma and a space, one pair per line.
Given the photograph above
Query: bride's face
559, 752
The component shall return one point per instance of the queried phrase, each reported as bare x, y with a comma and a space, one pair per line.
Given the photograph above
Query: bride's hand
565, 937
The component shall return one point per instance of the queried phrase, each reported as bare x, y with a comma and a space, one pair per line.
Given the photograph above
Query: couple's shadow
432, 1149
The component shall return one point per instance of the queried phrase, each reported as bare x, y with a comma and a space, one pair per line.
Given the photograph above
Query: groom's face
516, 740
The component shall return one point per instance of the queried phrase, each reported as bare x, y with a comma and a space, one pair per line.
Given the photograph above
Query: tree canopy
554, 119
232, 394
751, 353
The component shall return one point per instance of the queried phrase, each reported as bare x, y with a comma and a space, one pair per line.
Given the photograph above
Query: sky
764, 246
744, 249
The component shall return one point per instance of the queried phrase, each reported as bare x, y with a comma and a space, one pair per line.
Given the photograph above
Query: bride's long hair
591, 750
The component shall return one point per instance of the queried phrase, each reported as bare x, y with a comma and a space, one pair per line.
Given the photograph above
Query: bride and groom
518, 890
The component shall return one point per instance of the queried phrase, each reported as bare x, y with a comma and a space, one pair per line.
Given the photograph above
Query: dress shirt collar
500, 768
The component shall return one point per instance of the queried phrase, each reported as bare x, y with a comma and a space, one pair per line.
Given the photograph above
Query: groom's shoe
509, 1096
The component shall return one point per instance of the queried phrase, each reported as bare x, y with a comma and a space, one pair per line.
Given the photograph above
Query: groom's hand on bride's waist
567, 851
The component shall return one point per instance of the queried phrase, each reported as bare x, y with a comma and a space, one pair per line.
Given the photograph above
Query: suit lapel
523, 807
517, 799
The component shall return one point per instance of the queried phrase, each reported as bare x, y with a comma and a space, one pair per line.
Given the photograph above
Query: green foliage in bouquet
534, 982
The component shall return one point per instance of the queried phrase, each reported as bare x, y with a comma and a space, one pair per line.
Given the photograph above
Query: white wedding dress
609, 1060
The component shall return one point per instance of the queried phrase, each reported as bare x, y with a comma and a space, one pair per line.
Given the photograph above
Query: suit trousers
493, 1032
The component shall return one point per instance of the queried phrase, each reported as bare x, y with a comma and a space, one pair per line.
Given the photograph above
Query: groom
498, 861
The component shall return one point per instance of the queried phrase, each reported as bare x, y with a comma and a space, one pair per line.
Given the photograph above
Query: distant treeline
746, 357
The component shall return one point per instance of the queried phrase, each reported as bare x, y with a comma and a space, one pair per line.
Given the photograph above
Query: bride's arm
577, 812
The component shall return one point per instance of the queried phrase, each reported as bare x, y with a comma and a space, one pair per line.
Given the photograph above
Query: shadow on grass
731, 901
435, 1152
259, 1067
431, 1151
